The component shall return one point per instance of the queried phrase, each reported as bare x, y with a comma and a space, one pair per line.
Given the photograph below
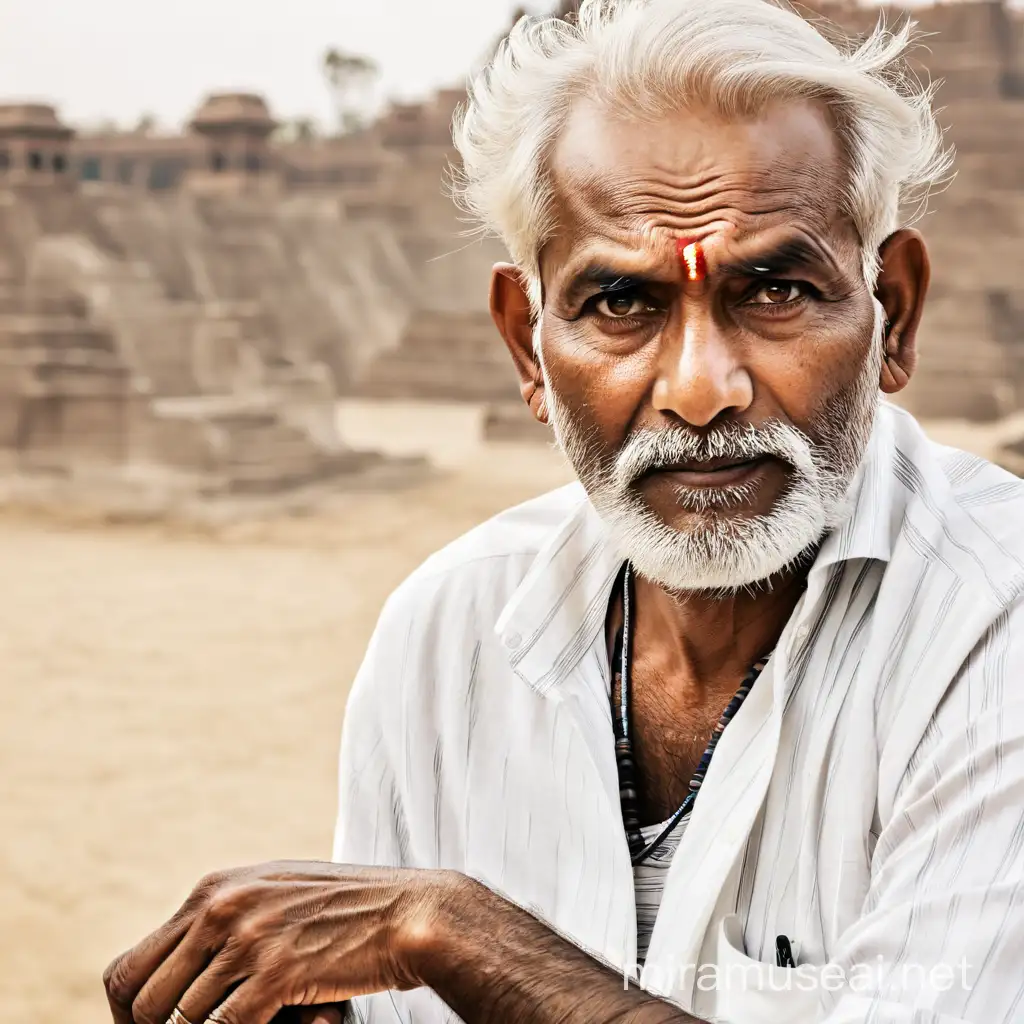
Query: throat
689, 646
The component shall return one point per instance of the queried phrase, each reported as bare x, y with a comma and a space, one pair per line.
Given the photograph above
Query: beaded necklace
629, 796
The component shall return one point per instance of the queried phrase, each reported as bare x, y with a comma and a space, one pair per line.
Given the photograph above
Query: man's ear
510, 310
902, 287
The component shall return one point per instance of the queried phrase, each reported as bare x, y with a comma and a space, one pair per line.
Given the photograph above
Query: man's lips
725, 472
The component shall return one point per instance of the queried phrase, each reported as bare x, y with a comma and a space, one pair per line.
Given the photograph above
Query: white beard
728, 551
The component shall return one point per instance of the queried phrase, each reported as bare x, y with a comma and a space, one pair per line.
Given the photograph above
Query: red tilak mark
691, 256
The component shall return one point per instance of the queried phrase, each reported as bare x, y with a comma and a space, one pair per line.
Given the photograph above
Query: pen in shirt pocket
784, 952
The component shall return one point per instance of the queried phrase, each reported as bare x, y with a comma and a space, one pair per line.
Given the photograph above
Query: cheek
804, 375
601, 391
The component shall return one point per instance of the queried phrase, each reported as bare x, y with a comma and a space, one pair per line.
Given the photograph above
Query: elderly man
726, 731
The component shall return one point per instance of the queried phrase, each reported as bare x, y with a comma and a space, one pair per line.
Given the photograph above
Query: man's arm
324, 933
493, 963
942, 927
489, 960
252, 942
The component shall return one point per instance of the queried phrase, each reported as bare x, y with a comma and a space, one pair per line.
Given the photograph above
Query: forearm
493, 963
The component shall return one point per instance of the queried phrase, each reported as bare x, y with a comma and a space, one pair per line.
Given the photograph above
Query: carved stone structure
33, 145
234, 128
67, 398
243, 282
198, 335
447, 356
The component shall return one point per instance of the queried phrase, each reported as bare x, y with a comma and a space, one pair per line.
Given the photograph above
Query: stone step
71, 360
14, 299
450, 363
276, 479
439, 380
57, 334
483, 338
454, 350
279, 453
441, 368
513, 421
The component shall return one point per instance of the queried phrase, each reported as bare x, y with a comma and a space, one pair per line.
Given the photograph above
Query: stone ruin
191, 341
189, 307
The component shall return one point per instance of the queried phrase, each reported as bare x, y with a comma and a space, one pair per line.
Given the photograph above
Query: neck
703, 640
713, 635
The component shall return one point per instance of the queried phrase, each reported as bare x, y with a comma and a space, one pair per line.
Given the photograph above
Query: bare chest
671, 727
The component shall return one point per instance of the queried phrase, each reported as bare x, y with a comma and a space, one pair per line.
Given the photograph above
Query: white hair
650, 57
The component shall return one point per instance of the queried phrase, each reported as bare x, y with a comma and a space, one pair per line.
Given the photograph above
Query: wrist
429, 931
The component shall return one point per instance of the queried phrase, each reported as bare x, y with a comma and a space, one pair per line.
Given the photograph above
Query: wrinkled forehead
696, 173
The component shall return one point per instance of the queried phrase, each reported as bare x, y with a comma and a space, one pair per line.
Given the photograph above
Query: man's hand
250, 942
287, 942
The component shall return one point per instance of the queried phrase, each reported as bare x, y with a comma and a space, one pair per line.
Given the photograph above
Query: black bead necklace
629, 795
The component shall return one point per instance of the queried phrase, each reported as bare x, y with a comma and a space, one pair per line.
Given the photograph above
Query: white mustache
650, 450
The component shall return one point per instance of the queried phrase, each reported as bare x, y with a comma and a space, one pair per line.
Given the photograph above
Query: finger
213, 987
248, 1004
125, 978
194, 968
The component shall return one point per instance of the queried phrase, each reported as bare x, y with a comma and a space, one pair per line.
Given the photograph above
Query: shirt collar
562, 603
561, 606
873, 516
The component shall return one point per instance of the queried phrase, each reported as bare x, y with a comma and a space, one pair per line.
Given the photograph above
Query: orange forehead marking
691, 256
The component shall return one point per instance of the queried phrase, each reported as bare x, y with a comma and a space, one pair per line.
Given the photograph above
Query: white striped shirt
867, 800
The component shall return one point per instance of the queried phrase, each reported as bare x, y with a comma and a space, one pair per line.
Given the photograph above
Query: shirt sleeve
370, 823
941, 937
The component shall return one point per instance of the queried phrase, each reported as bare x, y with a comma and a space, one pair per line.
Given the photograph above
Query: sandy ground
170, 701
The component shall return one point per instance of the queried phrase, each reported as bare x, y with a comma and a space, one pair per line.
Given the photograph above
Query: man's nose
701, 373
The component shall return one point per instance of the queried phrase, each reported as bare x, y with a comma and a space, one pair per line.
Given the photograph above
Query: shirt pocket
747, 991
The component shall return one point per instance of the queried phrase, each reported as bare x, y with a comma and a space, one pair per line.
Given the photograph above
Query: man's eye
619, 307
777, 293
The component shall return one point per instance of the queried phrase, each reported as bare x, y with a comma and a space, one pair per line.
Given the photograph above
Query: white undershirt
649, 880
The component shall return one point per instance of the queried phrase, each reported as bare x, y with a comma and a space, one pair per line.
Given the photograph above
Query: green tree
351, 78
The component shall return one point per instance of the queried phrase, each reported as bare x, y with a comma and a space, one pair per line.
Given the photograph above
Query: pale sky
118, 59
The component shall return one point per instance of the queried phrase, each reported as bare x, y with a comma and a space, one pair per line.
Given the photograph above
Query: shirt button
801, 634
513, 641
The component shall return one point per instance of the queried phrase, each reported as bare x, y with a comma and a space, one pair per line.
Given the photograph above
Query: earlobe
513, 316
901, 289
894, 377
535, 397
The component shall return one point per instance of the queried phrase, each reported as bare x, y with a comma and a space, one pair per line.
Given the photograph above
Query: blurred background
248, 382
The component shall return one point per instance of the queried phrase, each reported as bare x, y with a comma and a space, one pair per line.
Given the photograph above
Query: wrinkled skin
273, 936
738, 347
